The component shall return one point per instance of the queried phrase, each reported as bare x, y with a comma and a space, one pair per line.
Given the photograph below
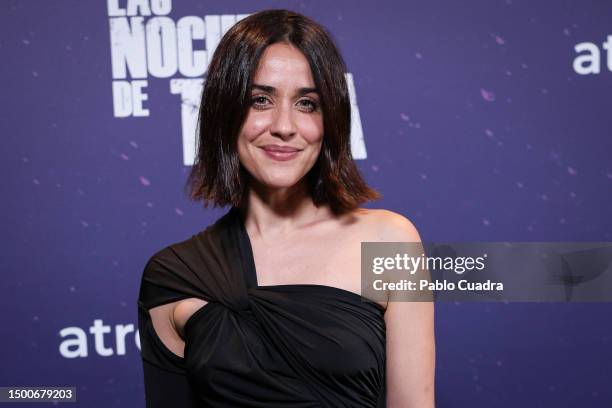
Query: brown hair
217, 175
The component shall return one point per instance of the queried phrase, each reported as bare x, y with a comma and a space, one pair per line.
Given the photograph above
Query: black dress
299, 345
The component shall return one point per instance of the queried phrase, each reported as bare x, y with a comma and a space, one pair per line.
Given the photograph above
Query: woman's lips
276, 154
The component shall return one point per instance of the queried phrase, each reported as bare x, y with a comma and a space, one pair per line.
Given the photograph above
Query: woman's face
285, 113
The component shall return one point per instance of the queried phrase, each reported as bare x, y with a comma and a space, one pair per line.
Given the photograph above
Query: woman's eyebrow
272, 90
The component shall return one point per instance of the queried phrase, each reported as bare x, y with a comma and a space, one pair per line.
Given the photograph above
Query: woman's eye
312, 106
258, 100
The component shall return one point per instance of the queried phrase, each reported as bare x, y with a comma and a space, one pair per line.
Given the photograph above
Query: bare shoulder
386, 226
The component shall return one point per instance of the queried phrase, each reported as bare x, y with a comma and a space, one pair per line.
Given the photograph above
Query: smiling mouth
278, 148
283, 154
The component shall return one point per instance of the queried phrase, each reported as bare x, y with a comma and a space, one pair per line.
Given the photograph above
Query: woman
262, 308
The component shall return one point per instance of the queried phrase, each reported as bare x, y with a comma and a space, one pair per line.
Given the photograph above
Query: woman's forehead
283, 66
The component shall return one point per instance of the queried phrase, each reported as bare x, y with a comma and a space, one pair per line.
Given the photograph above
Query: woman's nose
283, 124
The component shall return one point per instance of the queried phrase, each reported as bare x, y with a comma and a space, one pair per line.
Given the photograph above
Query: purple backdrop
482, 120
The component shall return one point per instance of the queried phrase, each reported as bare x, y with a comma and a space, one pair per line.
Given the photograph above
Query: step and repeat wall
478, 120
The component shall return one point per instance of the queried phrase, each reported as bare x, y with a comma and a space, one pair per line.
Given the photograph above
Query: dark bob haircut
217, 175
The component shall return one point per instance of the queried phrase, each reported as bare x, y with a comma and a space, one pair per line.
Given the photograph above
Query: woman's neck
271, 213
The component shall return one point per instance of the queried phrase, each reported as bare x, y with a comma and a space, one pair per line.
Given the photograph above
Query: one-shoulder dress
290, 346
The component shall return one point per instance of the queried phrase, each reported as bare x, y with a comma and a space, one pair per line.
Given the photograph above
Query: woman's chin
276, 183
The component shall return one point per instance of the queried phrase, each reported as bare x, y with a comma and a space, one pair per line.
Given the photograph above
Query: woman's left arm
410, 348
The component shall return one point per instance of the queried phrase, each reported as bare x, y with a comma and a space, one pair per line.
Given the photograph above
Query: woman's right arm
165, 380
